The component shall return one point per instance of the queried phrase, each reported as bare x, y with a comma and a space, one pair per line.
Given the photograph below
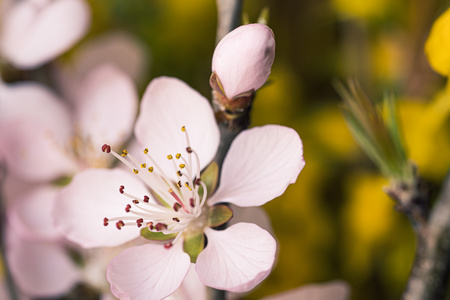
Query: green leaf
156, 236
219, 214
194, 244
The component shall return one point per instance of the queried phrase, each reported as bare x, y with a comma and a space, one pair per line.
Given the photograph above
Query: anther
106, 148
176, 219
121, 189
105, 222
143, 166
124, 152
178, 155
120, 224
145, 150
191, 202
187, 185
160, 226
188, 149
176, 206
127, 208
168, 245
179, 184
169, 157
146, 198
197, 181
135, 171
135, 201
179, 173
182, 166
183, 128
139, 222
150, 225
150, 169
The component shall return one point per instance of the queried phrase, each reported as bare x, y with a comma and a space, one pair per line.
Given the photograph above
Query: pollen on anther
187, 185
120, 224
178, 155
143, 166
150, 169
179, 184
169, 157
105, 222
145, 150
124, 152
179, 173
127, 208
135, 201
135, 171
183, 128
106, 148
121, 189
182, 166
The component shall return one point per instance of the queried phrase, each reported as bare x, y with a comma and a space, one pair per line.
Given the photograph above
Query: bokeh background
335, 222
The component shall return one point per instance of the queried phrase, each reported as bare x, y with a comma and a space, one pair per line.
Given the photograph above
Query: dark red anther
150, 225
106, 148
146, 198
139, 222
135, 201
197, 181
176, 206
105, 222
121, 188
188, 149
120, 224
127, 208
191, 202
176, 219
168, 245
160, 226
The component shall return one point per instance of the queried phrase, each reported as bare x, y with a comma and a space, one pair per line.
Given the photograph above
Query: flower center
178, 200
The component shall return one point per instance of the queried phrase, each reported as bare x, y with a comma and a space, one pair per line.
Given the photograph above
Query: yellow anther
169, 157
187, 185
183, 128
145, 150
182, 166
144, 165
170, 191
179, 183
135, 171
178, 155
150, 169
124, 152
179, 173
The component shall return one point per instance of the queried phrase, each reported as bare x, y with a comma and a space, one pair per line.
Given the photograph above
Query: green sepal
193, 244
219, 214
210, 177
156, 236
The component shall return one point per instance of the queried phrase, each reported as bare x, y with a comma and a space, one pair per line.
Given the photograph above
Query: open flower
37, 31
165, 197
42, 138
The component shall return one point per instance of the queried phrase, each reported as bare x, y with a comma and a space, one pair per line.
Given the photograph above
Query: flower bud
243, 59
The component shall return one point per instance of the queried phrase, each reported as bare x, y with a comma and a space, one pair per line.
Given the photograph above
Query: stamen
127, 208
178, 155
124, 153
121, 189
150, 225
143, 166
146, 199
106, 148
139, 222
105, 222
120, 224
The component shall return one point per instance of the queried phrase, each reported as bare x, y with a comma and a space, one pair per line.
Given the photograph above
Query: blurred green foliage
335, 222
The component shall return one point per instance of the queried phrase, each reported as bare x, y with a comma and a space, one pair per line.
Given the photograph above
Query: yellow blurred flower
361, 9
438, 43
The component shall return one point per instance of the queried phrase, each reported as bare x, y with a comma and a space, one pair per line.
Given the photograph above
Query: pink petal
91, 196
255, 215
236, 259
147, 272
31, 213
243, 58
106, 107
260, 165
336, 290
40, 269
191, 288
34, 152
167, 105
36, 32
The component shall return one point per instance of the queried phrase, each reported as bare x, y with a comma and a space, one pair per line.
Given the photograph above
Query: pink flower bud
243, 59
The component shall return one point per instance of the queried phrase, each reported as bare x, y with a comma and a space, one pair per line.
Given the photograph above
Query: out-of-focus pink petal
40, 268
191, 288
91, 196
31, 213
119, 48
237, 258
167, 105
34, 152
35, 32
261, 163
148, 272
255, 215
336, 290
106, 107
243, 58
